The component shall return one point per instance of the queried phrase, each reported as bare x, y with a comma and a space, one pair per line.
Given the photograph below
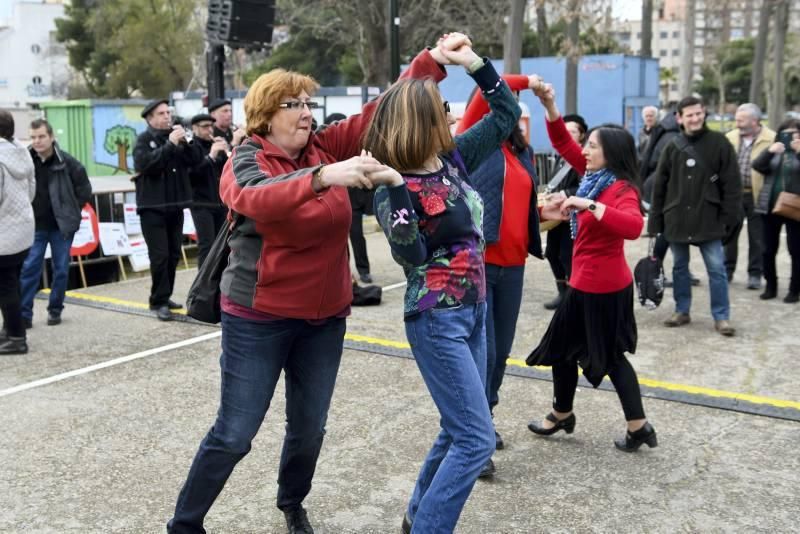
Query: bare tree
573, 55
778, 107
512, 48
687, 59
647, 29
542, 30
757, 80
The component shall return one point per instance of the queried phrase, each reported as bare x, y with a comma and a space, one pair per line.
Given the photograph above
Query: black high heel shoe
634, 440
567, 425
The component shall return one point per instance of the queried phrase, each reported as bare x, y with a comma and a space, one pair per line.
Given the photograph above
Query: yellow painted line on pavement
670, 386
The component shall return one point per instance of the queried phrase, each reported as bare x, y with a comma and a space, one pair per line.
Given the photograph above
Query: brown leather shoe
678, 319
724, 328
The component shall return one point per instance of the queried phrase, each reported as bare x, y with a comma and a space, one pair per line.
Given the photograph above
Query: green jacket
697, 193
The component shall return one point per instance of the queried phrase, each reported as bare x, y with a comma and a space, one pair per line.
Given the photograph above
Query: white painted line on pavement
109, 363
394, 286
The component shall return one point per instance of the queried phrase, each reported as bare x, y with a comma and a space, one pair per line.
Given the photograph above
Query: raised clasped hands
454, 49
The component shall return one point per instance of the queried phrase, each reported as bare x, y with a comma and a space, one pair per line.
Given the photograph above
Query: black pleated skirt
591, 329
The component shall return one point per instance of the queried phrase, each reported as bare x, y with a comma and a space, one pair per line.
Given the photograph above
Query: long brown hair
409, 125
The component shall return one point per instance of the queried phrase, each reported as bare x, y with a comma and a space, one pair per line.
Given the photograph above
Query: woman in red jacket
286, 289
594, 326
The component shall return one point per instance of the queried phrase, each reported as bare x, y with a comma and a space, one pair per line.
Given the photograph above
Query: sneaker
678, 319
13, 345
297, 520
53, 318
753, 282
724, 328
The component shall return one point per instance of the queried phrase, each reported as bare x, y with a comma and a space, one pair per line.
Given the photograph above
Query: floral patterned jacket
434, 221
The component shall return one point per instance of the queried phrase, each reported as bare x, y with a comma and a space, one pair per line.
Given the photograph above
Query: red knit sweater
598, 255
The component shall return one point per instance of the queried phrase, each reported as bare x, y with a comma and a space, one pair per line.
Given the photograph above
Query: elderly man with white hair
650, 119
749, 139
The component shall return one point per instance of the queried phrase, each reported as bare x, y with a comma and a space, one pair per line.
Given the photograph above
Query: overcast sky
626, 9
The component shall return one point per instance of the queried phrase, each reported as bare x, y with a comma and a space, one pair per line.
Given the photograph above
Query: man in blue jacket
62, 188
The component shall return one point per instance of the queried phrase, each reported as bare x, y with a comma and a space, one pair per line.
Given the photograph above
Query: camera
786, 139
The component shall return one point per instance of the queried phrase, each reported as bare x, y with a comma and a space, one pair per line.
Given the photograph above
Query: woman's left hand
576, 203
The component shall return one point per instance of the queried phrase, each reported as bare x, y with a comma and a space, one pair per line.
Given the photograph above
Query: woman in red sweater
594, 326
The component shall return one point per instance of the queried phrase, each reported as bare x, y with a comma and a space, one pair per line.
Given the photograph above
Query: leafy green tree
119, 140
727, 77
132, 47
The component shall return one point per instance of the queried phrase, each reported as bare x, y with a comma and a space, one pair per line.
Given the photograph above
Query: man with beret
162, 158
221, 110
208, 211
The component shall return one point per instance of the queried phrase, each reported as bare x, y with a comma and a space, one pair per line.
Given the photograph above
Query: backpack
648, 275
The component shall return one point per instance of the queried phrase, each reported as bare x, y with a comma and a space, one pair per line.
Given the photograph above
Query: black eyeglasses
446, 106
298, 104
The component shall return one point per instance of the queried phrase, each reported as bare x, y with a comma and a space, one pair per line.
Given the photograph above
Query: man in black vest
162, 157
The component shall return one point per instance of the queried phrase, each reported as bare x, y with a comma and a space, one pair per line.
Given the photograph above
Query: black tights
565, 380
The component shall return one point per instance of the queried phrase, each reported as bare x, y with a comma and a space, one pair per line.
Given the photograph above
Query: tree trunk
778, 108
573, 55
756, 95
542, 30
647, 29
512, 48
122, 157
687, 59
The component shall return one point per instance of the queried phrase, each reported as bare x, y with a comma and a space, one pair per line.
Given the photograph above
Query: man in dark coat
697, 193
62, 188
208, 211
162, 158
222, 112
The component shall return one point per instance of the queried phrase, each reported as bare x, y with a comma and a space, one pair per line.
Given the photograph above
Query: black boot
553, 304
771, 291
13, 345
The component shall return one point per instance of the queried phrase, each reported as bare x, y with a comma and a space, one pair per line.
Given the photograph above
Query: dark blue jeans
449, 346
32, 271
503, 299
253, 356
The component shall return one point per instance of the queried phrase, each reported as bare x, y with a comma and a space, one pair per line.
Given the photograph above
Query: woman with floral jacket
432, 218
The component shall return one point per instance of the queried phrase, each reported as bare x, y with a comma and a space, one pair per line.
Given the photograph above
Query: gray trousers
755, 240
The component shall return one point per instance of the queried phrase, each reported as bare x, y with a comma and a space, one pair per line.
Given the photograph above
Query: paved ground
107, 450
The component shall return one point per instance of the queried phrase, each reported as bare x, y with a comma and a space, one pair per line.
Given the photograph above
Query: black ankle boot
792, 297
634, 440
770, 292
13, 345
553, 304
297, 520
567, 425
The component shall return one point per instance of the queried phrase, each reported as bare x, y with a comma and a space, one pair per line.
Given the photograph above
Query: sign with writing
133, 225
140, 260
113, 239
86, 239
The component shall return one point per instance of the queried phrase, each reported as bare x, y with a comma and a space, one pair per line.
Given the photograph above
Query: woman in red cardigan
594, 326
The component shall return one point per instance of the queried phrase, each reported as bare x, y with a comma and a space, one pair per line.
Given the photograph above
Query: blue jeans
32, 271
503, 299
253, 356
714, 258
449, 346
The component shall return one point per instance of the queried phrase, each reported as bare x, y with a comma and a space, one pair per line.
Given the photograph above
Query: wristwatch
592, 206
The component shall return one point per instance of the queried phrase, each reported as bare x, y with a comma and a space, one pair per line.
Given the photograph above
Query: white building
33, 65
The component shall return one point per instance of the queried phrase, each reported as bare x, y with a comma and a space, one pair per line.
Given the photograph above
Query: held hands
351, 172
454, 48
551, 210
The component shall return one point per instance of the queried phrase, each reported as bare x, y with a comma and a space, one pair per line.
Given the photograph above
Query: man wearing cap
162, 158
222, 112
208, 211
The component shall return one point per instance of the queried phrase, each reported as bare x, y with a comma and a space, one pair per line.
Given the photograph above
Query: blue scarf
591, 186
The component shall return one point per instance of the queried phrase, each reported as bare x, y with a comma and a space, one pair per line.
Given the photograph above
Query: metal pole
215, 63
394, 40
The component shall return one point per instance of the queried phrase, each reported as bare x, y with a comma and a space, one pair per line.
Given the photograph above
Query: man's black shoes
297, 520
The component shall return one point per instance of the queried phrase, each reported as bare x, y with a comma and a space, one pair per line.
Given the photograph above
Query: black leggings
10, 307
565, 380
772, 238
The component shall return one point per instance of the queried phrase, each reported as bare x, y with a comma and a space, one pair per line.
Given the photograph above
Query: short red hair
266, 93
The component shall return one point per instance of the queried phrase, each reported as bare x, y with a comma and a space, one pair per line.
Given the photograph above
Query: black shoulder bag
203, 302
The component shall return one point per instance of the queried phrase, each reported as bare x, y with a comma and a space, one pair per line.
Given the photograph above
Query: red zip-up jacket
289, 256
